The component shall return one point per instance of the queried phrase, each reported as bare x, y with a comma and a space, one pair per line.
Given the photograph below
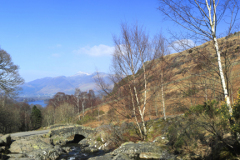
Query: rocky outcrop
140, 150
145, 150
46, 146
35, 147
29, 144
98, 142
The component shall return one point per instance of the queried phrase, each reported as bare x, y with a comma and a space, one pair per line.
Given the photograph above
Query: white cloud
181, 45
100, 50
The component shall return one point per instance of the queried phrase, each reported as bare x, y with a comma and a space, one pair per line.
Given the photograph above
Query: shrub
95, 113
85, 119
207, 127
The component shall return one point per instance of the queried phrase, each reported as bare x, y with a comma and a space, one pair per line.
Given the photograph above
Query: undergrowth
207, 131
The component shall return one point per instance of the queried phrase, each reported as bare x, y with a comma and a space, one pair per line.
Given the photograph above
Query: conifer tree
36, 118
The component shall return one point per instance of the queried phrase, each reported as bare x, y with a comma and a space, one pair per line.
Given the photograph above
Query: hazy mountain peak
80, 73
51, 85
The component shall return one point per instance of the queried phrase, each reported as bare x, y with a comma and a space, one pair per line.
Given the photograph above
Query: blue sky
48, 38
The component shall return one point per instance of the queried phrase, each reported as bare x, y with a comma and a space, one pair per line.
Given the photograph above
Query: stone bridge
73, 132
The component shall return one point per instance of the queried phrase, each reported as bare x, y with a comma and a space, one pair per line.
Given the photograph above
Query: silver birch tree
202, 18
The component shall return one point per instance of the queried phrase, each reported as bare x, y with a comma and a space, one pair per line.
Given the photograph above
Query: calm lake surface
40, 102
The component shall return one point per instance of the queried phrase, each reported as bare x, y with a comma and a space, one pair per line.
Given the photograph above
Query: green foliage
206, 126
99, 139
36, 118
85, 119
236, 115
95, 113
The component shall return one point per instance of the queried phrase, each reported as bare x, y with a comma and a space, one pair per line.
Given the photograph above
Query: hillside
193, 81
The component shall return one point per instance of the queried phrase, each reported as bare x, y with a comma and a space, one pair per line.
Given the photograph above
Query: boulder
161, 140
28, 145
84, 142
49, 153
18, 156
121, 156
150, 155
144, 150
104, 157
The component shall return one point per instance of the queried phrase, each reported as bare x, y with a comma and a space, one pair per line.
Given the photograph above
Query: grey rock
90, 149
28, 145
147, 150
17, 155
105, 157
67, 149
121, 156
84, 143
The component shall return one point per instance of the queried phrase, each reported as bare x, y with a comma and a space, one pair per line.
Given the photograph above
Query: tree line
19, 116
63, 108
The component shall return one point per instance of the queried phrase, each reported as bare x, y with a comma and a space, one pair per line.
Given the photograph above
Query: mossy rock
151, 129
150, 155
48, 135
127, 143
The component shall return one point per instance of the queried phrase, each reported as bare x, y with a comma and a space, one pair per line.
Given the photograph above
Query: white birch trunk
134, 113
156, 109
163, 101
225, 91
78, 108
145, 99
138, 103
83, 107
212, 21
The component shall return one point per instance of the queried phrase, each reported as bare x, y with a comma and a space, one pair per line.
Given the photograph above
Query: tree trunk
205, 89
163, 100
134, 113
213, 31
83, 107
156, 109
225, 91
25, 119
78, 108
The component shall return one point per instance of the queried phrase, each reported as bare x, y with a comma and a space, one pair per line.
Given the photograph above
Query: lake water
40, 102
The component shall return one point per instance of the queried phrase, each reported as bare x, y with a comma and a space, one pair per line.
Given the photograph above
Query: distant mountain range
49, 86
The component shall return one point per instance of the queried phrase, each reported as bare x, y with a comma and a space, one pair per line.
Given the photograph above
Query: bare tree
162, 72
131, 65
91, 97
77, 95
55, 102
9, 76
202, 19
83, 98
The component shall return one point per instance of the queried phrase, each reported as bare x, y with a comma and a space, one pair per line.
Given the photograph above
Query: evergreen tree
36, 118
